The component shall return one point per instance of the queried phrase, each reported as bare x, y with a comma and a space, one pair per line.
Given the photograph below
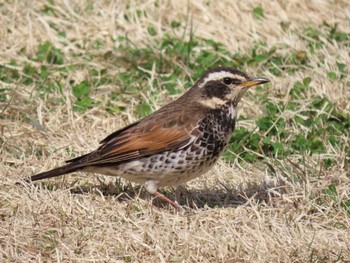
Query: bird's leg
152, 187
166, 199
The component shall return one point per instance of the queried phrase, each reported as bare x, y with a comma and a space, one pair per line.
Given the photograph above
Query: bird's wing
140, 143
135, 142
167, 129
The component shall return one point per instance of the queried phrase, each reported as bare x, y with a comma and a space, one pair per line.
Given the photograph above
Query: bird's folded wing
134, 143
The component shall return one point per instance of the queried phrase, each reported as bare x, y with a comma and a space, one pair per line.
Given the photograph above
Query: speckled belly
169, 168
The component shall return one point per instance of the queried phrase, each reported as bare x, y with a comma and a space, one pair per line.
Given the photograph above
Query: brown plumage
177, 143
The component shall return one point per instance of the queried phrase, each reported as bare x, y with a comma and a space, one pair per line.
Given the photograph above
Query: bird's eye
228, 81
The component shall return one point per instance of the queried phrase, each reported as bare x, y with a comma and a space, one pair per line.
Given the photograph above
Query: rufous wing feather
139, 143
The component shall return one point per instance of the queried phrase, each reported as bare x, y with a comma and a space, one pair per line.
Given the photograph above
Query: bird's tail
65, 169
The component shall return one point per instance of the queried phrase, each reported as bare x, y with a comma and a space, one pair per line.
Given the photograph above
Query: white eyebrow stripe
219, 75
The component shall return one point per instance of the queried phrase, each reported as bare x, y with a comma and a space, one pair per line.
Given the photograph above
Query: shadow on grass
219, 196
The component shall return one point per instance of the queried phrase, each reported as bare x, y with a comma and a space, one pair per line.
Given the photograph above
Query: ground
72, 72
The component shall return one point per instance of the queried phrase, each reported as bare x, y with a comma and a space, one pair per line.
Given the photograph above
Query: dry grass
243, 213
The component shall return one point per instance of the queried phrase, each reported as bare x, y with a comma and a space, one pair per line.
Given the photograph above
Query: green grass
309, 130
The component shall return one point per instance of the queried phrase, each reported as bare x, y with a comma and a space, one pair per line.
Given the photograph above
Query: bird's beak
254, 82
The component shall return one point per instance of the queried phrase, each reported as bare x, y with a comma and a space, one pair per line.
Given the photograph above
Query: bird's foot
171, 202
167, 200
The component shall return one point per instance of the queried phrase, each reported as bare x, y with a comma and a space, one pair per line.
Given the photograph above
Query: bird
175, 144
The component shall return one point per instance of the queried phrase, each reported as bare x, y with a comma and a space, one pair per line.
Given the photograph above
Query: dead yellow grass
256, 217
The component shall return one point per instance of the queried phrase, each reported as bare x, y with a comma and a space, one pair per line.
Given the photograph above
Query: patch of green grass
331, 193
9, 73
258, 12
49, 54
275, 60
81, 93
335, 34
317, 38
309, 131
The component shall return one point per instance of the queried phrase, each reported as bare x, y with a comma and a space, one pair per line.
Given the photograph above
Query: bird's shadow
220, 196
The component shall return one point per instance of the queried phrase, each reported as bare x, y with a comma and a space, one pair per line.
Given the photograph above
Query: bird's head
220, 86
